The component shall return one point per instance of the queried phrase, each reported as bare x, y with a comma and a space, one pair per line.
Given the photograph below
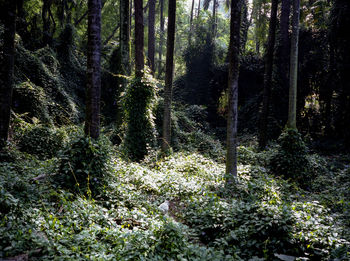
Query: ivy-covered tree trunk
139, 58
169, 76
161, 38
8, 18
93, 93
233, 74
125, 36
268, 76
151, 33
292, 111
47, 15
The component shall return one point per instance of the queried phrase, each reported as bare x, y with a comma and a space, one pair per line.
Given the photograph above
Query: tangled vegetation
262, 217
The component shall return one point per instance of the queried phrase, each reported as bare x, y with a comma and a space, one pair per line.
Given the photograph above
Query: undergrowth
261, 217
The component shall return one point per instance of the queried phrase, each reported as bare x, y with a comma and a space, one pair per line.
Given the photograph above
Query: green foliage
138, 103
43, 141
40, 88
190, 130
84, 164
290, 160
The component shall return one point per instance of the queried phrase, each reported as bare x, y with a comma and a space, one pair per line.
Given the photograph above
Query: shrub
291, 159
84, 164
138, 101
40, 140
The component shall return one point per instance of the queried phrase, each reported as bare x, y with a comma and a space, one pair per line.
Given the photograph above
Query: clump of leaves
84, 164
43, 141
138, 102
290, 160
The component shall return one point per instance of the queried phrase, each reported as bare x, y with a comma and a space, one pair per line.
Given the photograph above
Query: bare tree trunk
125, 36
191, 17
199, 8
268, 76
232, 113
214, 19
169, 76
151, 34
8, 17
139, 58
292, 111
92, 123
161, 40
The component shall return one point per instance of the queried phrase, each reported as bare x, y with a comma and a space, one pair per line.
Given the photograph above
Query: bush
138, 101
290, 160
40, 140
84, 164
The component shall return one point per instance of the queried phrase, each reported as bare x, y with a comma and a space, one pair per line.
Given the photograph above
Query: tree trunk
169, 76
214, 19
232, 113
268, 76
139, 58
283, 63
45, 15
125, 36
151, 34
199, 8
92, 123
191, 17
245, 24
8, 17
292, 122
161, 39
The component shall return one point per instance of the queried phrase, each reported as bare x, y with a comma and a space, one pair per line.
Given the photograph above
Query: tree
161, 38
8, 18
233, 74
151, 34
169, 76
125, 36
139, 58
268, 75
292, 111
92, 123
282, 64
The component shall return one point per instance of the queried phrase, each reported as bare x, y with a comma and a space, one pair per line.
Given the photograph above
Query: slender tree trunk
233, 74
268, 76
292, 111
92, 123
8, 17
161, 40
139, 58
169, 76
191, 17
151, 34
199, 8
245, 24
46, 21
125, 36
214, 19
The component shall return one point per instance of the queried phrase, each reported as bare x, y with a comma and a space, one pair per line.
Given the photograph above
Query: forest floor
261, 217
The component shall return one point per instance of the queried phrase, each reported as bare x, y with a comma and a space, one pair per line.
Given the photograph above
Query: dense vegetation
93, 139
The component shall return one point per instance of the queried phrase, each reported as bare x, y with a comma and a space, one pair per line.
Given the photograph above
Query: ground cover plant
261, 217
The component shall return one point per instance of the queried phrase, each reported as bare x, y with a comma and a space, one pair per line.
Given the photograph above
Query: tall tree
199, 8
233, 74
292, 111
8, 18
161, 38
151, 34
47, 18
268, 75
139, 58
169, 76
92, 122
283, 63
125, 36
